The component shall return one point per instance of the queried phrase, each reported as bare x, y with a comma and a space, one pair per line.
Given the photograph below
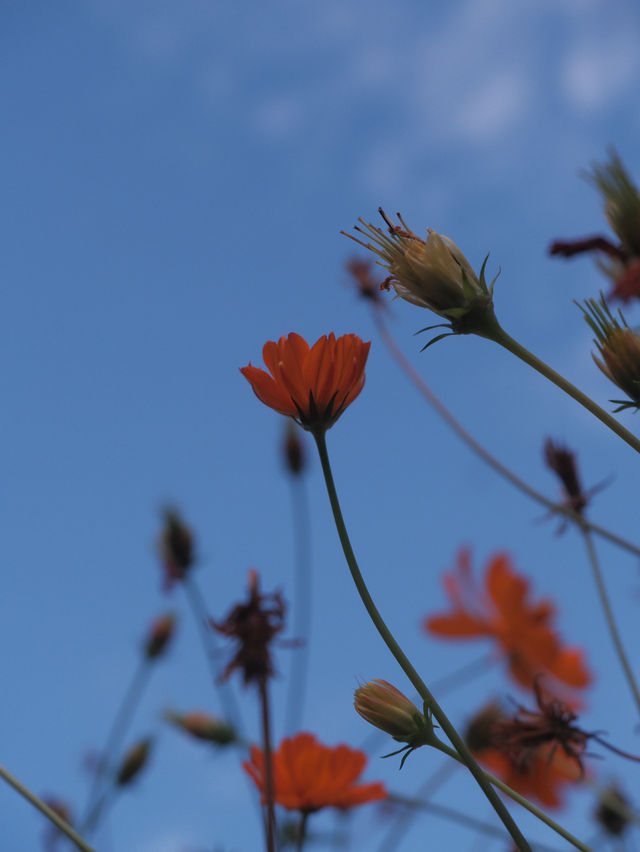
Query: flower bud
201, 726
385, 707
176, 548
159, 636
619, 349
431, 273
294, 452
134, 761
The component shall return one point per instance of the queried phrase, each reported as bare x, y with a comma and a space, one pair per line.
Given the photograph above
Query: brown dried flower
253, 625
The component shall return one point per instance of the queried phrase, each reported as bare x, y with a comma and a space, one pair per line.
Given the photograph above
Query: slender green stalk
297, 688
459, 817
113, 742
270, 823
51, 815
493, 462
302, 831
198, 605
402, 822
465, 755
533, 809
610, 617
499, 335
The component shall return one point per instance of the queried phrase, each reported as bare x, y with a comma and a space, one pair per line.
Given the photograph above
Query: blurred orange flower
308, 775
313, 384
542, 777
503, 611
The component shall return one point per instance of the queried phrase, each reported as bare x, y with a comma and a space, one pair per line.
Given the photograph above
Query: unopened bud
294, 454
479, 734
619, 350
134, 761
159, 636
201, 726
613, 812
176, 548
385, 707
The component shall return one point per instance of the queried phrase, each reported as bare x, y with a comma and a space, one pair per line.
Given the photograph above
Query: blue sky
175, 177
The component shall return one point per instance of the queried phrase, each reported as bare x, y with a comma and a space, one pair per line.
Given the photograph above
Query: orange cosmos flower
308, 776
503, 611
313, 384
542, 777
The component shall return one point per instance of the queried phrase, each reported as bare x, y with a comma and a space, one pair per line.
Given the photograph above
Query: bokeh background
174, 177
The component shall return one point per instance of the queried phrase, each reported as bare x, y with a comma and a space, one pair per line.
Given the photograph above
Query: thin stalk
533, 809
465, 755
51, 815
477, 448
301, 605
610, 617
116, 735
198, 605
302, 831
499, 335
402, 823
270, 824
460, 818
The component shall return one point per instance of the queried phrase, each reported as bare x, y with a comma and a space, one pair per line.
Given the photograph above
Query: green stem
270, 823
610, 617
499, 335
299, 670
465, 755
547, 820
302, 831
113, 742
477, 448
51, 815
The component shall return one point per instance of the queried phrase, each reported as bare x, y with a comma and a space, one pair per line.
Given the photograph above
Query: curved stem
51, 815
499, 335
465, 755
610, 617
533, 809
493, 462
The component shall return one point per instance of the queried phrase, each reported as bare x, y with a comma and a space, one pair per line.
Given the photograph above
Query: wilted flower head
308, 776
362, 274
313, 384
619, 261
176, 548
159, 635
385, 707
621, 202
563, 462
253, 625
53, 836
431, 273
619, 350
202, 726
134, 761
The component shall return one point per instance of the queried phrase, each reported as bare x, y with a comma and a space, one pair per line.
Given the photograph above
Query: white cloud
599, 69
